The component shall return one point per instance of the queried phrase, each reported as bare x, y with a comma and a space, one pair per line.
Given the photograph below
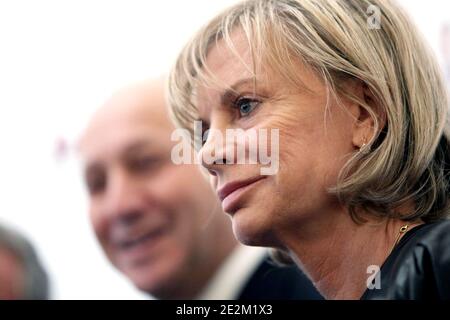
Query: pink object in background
61, 149
445, 49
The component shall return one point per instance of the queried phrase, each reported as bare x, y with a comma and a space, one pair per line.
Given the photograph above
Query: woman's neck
340, 255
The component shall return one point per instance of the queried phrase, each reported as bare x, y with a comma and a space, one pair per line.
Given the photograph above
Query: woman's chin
251, 230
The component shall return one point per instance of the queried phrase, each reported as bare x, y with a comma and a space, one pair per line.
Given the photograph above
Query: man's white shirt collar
234, 273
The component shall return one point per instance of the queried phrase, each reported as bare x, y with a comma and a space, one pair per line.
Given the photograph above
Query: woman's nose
212, 154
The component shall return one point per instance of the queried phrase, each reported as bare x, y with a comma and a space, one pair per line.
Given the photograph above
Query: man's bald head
143, 102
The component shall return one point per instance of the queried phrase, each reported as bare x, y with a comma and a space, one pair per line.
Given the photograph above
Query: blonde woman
361, 194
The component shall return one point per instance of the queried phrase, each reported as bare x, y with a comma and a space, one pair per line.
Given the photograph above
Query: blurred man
160, 223
22, 276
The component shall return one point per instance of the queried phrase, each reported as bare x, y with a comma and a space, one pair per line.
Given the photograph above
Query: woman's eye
246, 106
205, 132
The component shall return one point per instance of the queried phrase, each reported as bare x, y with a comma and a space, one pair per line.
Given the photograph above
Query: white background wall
59, 60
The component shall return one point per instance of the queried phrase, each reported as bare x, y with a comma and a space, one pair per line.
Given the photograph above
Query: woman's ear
370, 117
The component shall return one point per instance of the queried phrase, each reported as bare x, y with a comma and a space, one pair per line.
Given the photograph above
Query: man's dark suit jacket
273, 282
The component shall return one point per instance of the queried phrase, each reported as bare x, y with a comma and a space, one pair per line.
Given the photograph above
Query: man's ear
367, 116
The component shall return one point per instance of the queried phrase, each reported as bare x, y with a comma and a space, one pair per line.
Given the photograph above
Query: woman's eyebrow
230, 93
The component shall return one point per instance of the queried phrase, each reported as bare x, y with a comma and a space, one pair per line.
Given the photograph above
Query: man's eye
246, 106
142, 163
96, 183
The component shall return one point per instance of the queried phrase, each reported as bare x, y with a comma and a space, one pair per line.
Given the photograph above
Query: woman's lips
231, 192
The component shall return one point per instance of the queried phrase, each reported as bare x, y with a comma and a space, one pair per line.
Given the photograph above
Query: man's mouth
136, 249
131, 242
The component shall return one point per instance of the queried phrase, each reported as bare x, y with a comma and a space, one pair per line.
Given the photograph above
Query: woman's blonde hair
373, 42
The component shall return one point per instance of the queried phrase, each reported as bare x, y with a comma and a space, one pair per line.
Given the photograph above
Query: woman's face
314, 143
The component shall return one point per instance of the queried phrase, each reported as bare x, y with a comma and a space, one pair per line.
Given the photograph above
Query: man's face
11, 276
148, 214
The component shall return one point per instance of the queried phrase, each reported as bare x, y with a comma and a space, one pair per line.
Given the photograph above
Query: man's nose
124, 200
